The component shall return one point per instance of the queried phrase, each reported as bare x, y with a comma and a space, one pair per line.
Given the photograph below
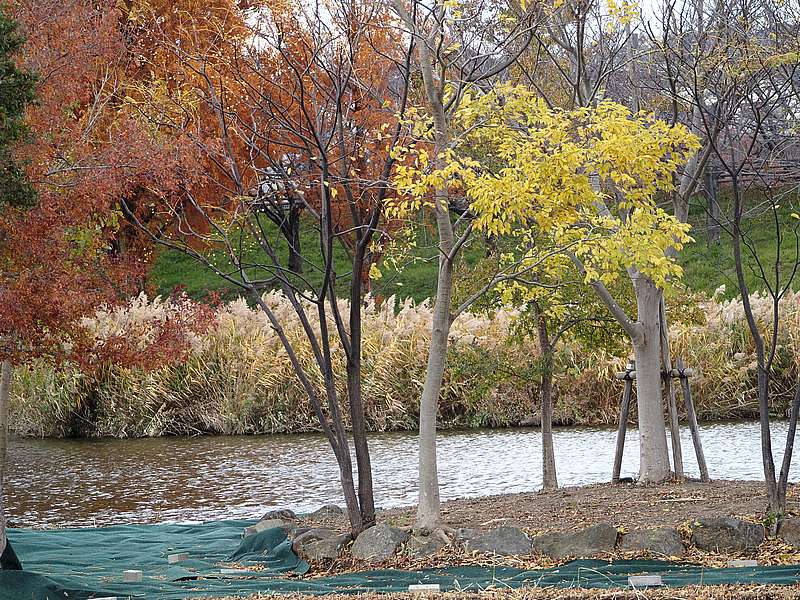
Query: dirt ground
624, 505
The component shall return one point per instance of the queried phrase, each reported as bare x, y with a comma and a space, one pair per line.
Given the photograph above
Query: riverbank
237, 379
629, 508
625, 507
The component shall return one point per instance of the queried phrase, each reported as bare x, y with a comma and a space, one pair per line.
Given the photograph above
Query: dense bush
237, 378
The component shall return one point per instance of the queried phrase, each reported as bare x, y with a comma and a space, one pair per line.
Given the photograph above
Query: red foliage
61, 259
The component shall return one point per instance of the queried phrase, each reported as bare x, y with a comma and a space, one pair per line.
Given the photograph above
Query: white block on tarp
131, 576
637, 581
421, 588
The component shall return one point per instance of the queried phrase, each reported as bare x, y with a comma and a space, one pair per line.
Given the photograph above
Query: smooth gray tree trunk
429, 514
653, 454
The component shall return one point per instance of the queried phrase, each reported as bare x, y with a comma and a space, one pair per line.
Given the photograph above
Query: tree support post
674, 424
628, 376
684, 375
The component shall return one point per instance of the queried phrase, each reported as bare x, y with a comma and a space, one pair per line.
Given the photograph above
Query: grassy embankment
706, 267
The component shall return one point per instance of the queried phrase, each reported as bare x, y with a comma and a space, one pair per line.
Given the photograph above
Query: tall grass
237, 378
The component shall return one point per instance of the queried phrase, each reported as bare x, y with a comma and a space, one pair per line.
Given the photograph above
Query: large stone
726, 534
420, 546
325, 549
663, 540
329, 511
505, 541
268, 524
312, 535
280, 513
789, 531
586, 542
378, 543
465, 534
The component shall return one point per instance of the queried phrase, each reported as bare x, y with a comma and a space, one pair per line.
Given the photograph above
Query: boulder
789, 531
280, 513
268, 524
465, 534
298, 530
311, 535
327, 548
420, 546
505, 541
378, 543
663, 540
726, 534
328, 511
586, 542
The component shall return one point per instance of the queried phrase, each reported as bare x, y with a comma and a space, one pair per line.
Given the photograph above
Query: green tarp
77, 564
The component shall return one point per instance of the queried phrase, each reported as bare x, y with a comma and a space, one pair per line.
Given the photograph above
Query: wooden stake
693, 426
623, 423
674, 424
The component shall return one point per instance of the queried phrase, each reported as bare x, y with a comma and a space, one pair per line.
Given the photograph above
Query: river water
99, 482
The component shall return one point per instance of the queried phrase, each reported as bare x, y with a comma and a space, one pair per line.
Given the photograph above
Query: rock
726, 534
420, 546
586, 542
789, 531
663, 540
312, 535
378, 543
280, 513
326, 512
503, 540
325, 549
298, 530
268, 524
465, 534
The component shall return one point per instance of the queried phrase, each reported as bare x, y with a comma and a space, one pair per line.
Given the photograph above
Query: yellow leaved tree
588, 178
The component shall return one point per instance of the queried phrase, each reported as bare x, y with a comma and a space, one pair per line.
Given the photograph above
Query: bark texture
549, 479
653, 455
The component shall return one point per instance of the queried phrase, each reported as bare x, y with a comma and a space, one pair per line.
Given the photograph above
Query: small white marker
235, 572
742, 562
131, 576
637, 581
176, 558
421, 588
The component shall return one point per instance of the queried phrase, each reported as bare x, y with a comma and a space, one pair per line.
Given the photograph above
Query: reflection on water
97, 482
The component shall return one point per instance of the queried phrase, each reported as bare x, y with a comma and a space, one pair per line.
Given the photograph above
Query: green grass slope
706, 266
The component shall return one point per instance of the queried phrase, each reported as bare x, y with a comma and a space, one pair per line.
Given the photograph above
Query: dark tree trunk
783, 481
713, 207
770, 482
363, 462
295, 263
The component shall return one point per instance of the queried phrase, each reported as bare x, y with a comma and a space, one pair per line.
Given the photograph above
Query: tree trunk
653, 454
5, 393
549, 479
366, 497
713, 207
429, 515
295, 262
783, 481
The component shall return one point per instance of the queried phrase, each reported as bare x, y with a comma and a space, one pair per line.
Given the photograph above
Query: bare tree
314, 99
748, 110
